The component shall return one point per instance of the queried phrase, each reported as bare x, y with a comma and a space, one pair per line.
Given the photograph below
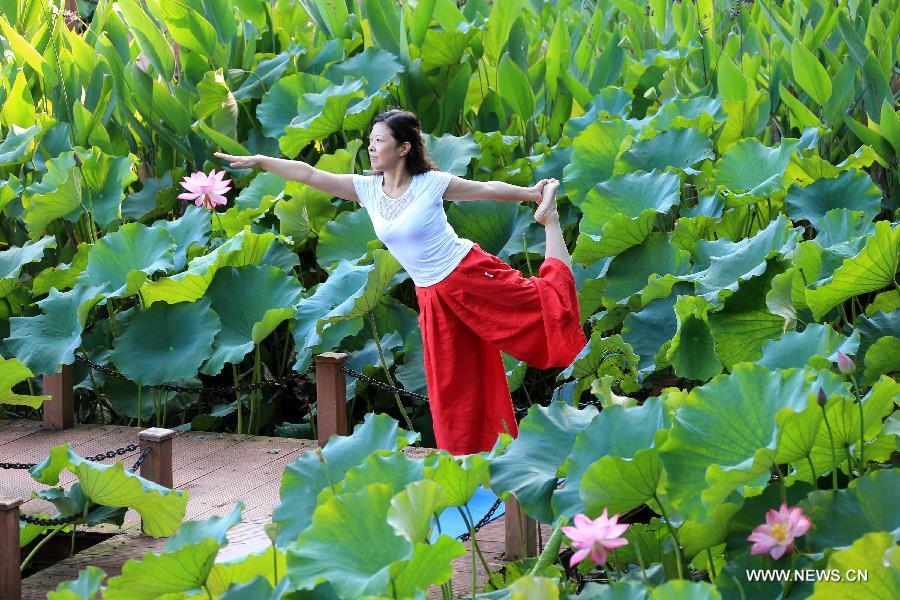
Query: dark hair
405, 127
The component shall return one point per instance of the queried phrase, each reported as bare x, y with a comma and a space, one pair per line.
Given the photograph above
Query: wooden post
521, 532
10, 578
157, 467
331, 395
59, 413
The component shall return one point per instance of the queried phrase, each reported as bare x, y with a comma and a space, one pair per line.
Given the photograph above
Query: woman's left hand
537, 190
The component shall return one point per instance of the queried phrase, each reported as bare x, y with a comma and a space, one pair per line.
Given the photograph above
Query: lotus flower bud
845, 364
822, 398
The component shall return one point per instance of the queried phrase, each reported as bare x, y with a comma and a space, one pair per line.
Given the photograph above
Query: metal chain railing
384, 386
96, 458
487, 518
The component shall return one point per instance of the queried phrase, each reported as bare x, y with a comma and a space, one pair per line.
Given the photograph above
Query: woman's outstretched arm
336, 184
460, 189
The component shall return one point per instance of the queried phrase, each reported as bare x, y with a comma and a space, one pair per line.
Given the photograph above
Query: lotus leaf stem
673, 533
387, 374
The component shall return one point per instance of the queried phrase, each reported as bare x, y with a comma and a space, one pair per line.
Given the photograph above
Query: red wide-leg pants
482, 308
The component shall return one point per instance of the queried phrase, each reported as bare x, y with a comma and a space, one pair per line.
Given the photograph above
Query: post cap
332, 357
10, 503
156, 434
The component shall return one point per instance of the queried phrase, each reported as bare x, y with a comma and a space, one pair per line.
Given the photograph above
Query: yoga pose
472, 305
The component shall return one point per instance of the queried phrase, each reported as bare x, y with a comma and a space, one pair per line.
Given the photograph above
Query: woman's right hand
242, 162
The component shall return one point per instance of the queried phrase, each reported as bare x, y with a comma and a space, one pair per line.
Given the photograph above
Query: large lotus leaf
620, 484
44, 342
86, 587
368, 357
13, 372
594, 155
251, 301
872, 269
877, 325
843, 416
620, 213
304, 478
745, 323
267, 73
394, 470
182, 567
452, 153
246, 248
104, 179
680, 148
13, 259
413, 509
682, 590
459, 478
852, 190
498, 227
609, 101
629, 272
840, 225
725, 434
345, 238
869, 567
431, 564
870, 500
365, 299
10, 189
320, 115
120, 262
190, 229
352, 553
529, 467
377, 66
602, 356
281, 102
751, 171
155, 197
264, 565
166, 342
445, 48
692, 352
701, 112
795, 349
883, 357
264, 184
17, 145
648, 329
58, 194
64, 276
616, 432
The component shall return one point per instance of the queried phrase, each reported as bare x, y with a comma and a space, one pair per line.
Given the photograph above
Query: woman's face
383, 151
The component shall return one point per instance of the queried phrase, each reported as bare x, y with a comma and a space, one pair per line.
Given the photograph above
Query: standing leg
548, 216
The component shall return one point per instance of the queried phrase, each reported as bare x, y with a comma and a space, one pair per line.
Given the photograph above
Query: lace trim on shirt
390, 208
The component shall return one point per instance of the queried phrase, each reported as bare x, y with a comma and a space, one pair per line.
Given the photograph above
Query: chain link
16, 465
487, 518
383, 386
49, 522
140, 460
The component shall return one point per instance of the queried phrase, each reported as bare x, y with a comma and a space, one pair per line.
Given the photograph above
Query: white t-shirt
414, 227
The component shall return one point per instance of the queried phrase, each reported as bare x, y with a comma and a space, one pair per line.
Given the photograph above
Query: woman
472, 305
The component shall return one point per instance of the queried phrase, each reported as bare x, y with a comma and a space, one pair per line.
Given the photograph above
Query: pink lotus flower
205, 190
845, 365
776, 535
595, 537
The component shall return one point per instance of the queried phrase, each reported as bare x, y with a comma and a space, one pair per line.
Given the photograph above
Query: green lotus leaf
156, 194
459, 478
13, 259
431, 564
46, 341
251, 301
701, 112
304, 478
86, 587
594, 154
182, 567
190, 229
602, 356
281, 102
47, 471
616, 432
345, 238
874, 556
868, 499
871, 269
875, 326
884, 302
353, 554
120, 262
413, 509
246, 248
10, 189
751, 171
529, 467
161, 509
852, 190
365, 299
166, 342
840, 225
629, 272
260, 565
680, 148
394, 470
13, 372
883, 357
795, 349
368, 358
620, 484
18, 145
58, 194
712, 450
610, 101
498, 227
320, 115
376, 65
529, 586
444, 48
62, 277
692, 352
696, 537
267, 73
452, 153
153, 43
730, 263
683, 590
620, 213
104, 178
843, 416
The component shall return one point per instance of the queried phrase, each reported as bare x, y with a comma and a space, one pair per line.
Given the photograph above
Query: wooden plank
10, 431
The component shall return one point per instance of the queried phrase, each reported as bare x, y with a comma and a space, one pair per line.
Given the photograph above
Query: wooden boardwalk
216, 469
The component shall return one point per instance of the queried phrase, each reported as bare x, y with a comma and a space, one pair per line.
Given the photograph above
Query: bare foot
546, 212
